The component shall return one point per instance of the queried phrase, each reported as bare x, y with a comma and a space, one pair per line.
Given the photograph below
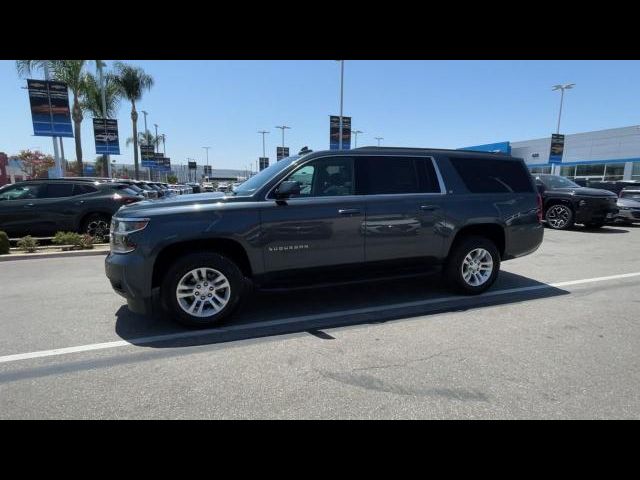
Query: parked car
195, 187
43, 207
566, 203
465, 212
208, 187
614, 186
629, 206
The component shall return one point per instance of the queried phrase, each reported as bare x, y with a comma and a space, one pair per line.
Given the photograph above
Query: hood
584, 191
176, 202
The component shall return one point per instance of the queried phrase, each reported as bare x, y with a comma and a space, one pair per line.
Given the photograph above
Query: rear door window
57, 190
488, 175
381, 175
83, 188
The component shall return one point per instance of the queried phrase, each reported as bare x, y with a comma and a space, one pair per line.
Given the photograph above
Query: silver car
629, 206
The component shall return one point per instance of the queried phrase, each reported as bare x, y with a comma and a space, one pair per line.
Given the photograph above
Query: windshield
555, 181
255, 182
630, 195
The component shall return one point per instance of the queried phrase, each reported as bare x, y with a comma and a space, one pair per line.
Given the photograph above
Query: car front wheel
202, 289
559, 217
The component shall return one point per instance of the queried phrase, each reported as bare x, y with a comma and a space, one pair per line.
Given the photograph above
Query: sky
439, 104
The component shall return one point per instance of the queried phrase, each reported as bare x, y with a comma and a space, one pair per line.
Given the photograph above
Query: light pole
263, 132
379, 138
100, 64
283, 128
341, 99
56, 155
355, 133
207, 150
562, 88
157, 143
146, 135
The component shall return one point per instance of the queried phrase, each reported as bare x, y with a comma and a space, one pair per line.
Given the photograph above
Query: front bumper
630, 215
128, 277
598, 214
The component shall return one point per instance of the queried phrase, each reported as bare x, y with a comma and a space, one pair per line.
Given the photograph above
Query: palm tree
26, 67
144, 138
72, 73
92, 96
132, 82
162, 138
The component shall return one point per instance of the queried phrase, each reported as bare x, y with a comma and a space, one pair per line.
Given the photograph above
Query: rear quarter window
487, 175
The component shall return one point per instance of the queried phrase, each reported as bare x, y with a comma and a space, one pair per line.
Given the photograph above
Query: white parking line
247, 326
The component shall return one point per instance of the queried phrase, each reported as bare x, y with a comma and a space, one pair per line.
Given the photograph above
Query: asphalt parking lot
558, 336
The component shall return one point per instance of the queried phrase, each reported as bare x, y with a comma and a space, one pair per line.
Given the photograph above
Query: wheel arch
231, 249
492, 231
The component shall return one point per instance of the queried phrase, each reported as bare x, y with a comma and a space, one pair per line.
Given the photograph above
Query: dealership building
612, 154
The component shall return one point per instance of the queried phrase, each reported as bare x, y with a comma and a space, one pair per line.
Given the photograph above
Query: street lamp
263, 132
355, 133
341, 99
283, 128
207, 150
562, 88
379, 138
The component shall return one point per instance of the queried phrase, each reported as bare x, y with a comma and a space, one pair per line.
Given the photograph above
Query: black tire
97, 225
188, 263
559, 216
453, 268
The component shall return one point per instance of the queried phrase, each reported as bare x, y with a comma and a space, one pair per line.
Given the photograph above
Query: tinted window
20, 192
58, 190
83, 188
487, 175
389, 175
326, 177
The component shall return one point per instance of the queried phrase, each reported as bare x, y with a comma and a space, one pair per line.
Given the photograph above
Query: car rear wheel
559, 217
473, 265
202, 289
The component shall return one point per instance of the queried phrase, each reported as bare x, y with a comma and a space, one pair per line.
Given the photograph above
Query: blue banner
334, 132
147, 156
557, 148
499, 147
105, 131
50, 112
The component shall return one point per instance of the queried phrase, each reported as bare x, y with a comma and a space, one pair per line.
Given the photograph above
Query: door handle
428, 207
29, 205
348, 211
79, 202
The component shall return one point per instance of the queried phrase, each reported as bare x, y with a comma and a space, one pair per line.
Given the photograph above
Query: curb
30, 256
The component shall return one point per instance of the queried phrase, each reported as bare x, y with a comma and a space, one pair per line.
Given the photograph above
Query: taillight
539, 212
124, 199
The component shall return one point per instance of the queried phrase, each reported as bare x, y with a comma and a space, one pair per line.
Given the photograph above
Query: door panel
313, 232
403, 226
19, 210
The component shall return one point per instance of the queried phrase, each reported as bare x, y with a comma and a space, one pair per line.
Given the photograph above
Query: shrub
28, 244
4, 243
86, 241
73, 240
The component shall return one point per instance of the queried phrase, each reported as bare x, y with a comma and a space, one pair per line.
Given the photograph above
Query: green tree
35, 163
132, 82
72, 73
92, 96
144, 138
172, 179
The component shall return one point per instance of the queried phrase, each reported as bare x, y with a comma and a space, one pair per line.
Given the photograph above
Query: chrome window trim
441, 184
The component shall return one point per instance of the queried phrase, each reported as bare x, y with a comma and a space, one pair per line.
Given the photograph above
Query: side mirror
286, 189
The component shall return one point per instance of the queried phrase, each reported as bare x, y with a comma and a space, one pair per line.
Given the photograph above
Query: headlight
119, 233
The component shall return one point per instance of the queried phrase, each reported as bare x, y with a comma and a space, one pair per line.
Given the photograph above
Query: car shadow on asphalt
311, 311
607, 229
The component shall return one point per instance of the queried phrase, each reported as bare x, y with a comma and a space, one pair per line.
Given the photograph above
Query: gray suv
326, 217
